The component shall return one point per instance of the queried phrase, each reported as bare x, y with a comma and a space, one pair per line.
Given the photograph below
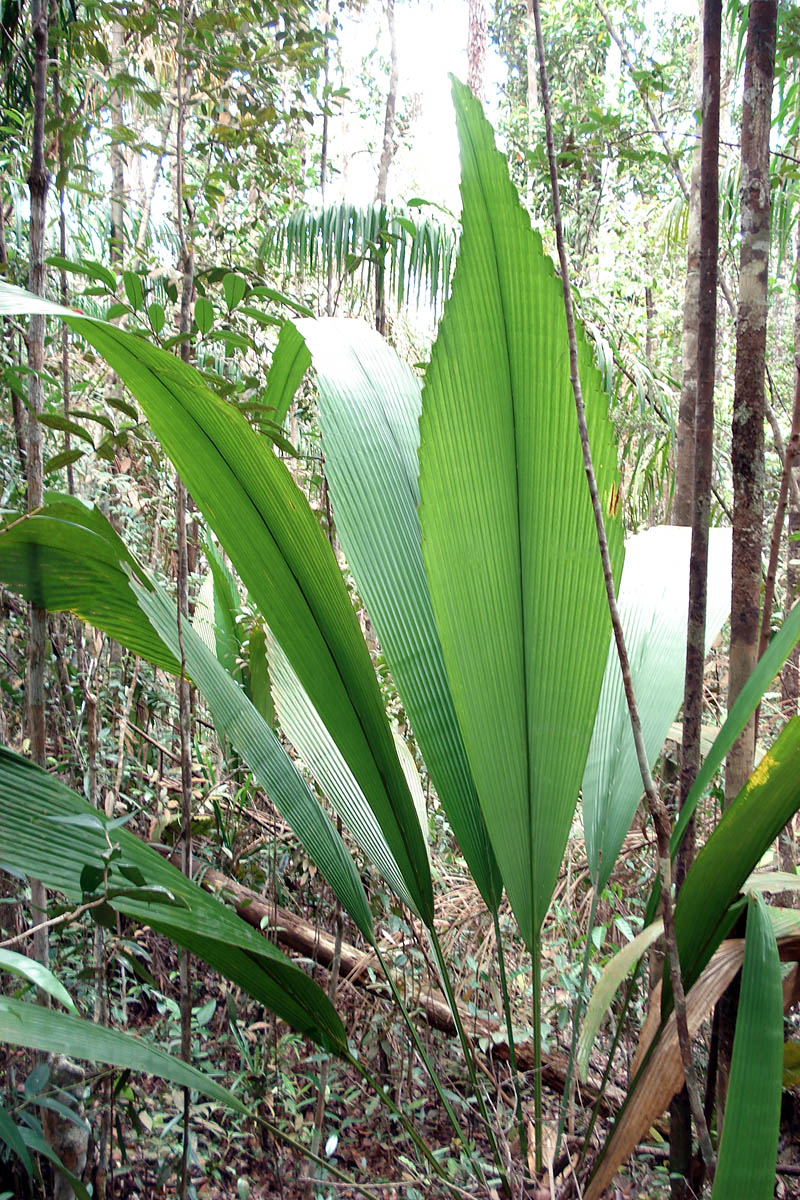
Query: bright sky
432, 40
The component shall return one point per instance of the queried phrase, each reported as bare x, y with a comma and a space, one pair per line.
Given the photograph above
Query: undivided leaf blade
234, 715
36, 973
290, 361
276, 544
66, 557
35, 842
508, 535
54, 1032
748, 826
653, 607
236, 718
604, 990
369, 404
302, 725
749, 1145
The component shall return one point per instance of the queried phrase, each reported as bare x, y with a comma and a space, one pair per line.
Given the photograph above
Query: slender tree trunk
387, 154
531, 88
17, 407
685, 435
183, 89
747, 443
477, 40
38, 185
680, 1117
789, 674
117, 151
387, 150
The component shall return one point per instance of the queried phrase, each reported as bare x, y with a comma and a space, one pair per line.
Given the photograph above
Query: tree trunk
117, 152
387, 154
387, 150
789, 674
476, 46
38, 184
685, 436
680, 1120
747, 443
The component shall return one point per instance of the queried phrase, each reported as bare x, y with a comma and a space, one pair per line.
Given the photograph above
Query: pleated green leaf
226, 606
305, 730
749, 1146
653, 605
765, 670
234, 715
236, 718
67, 558
369, 406
747, 827
508, 534
55, 1032
275, 542
37, 840
290, 362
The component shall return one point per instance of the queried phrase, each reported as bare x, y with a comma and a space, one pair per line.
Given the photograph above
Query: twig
53, 922
655, 804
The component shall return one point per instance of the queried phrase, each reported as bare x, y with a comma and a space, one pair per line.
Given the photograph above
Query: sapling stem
512, 1049
655, 804
465, 1045
420, 1048
536, 984
576, 1020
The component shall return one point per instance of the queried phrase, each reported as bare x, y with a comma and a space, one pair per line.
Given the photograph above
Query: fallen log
300, 935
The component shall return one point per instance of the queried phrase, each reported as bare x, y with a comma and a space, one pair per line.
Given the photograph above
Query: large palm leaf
369, 406
508, 536
281, 554
49, 832
653, 606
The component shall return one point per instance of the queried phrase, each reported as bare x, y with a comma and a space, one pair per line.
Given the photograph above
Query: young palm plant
462, 508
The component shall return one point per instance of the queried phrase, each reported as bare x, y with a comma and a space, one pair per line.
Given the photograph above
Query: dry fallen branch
307, 939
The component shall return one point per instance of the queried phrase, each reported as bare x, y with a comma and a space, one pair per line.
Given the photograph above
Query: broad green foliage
653, 608
49, 832
234, 715
464, 514
70, 557
54, 1032
508, 535
746, 1164
265, 523
369, 403
747, 828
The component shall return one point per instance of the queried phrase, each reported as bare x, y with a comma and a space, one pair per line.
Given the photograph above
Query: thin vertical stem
576, 1020
468, 1056
536, 984
512, 1049
38, 185
655, 804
